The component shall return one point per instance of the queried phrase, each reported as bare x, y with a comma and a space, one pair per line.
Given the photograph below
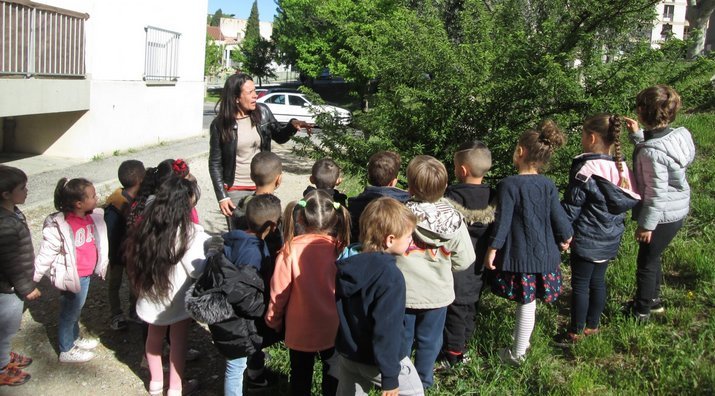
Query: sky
241, 8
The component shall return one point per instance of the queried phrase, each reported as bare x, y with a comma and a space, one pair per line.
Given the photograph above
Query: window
668, 12
161, 62
296, 101
666, 32
277, 99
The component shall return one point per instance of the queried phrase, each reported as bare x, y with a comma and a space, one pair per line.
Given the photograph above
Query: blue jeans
10, 318
588, 281
424, 327
233, 383
70, 308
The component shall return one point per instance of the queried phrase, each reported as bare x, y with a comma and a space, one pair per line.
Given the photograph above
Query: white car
288, 105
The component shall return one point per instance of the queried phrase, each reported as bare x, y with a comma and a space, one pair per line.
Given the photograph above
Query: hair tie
301, 203
180, 168
336, 205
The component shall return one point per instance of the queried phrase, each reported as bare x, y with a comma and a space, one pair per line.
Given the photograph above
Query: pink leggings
177, 352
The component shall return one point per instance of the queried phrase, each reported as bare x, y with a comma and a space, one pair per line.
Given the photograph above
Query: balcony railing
41, 40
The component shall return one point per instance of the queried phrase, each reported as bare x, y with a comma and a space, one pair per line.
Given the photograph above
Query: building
84, 78
230, 34
670, 20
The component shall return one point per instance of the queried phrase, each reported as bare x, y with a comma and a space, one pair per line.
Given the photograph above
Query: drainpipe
8, 134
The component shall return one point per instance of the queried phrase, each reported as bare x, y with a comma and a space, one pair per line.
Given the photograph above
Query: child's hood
437, 222
356, 273
590, 164
117, 199
238, 243
677, 145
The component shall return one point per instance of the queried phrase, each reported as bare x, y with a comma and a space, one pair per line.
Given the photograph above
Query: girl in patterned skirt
530, 228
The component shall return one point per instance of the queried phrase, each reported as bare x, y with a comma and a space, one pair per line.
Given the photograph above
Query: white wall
124, 111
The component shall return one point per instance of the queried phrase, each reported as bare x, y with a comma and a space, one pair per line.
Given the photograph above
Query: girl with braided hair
596, 201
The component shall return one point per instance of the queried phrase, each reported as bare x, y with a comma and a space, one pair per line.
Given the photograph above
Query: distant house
85, 78
230, 34
670, 21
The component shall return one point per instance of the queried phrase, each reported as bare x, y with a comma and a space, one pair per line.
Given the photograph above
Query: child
530, 224
660, 160
130, 173
16, 269
266, 174
472, 200
234, 281
303, 287
164, 252
596, 201
370, 293
325, 175
441, 245
74, 246
382, 170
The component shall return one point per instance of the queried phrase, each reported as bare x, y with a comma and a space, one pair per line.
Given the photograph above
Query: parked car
265, 91
287, 105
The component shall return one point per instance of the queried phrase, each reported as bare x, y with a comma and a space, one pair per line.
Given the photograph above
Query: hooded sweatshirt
356, 205
660, 160
440, 245
474, 203
370, 294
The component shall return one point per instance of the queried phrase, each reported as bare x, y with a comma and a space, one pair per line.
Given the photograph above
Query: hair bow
301, 203
336, 205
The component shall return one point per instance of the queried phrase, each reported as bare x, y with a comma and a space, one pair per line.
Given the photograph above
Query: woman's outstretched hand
298, 124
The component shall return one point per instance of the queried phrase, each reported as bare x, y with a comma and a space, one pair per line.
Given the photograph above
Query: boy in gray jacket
441, 244
660, 159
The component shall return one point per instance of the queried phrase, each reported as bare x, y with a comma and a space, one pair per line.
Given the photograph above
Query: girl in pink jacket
303, 288
74, 246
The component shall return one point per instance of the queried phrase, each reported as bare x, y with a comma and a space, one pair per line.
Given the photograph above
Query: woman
241, 129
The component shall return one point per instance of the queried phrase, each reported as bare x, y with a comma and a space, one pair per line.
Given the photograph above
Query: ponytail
614, 137
316, 213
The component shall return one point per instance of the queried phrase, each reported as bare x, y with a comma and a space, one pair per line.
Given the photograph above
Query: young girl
530, 224
303, 287
596, 201
660, 159
165, 252
74, 246
16, 269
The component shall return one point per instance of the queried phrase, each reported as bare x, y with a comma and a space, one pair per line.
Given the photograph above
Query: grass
672, 354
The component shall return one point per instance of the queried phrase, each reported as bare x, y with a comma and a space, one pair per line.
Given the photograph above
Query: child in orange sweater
303, 287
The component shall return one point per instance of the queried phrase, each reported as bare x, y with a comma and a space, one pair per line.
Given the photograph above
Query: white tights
525, 318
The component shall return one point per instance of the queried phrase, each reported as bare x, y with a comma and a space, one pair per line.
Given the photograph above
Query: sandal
13, 376
19, 361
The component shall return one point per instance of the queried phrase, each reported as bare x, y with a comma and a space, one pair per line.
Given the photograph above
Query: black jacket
370, 293
476, 203
357, 204
230, 300
597, 209
222, 155
17, 257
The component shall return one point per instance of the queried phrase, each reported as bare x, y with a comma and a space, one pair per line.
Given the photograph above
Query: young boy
382, 170
266, 174
441, 245
130, 173
17, 267
370, 293
230, 295
325, 175
473, 200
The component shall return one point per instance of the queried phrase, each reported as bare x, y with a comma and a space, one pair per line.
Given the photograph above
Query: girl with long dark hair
164, 253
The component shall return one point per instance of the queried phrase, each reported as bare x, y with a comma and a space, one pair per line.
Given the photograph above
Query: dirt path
116, 369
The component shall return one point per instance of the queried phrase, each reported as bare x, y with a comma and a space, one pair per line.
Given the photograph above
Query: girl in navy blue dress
530, 228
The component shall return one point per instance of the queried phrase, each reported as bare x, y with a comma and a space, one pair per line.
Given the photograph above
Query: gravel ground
116, 369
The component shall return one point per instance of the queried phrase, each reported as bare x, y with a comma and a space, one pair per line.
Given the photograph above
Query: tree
215, 19
482, 70
214, 57
256, 53
699, 13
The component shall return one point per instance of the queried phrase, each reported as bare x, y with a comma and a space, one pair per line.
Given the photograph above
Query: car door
277, 103
300, 108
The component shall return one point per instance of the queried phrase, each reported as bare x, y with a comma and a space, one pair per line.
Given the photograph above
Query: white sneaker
86, 343
76, 355
507, 357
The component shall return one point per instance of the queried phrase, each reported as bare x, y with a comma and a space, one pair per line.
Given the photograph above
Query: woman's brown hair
228, 108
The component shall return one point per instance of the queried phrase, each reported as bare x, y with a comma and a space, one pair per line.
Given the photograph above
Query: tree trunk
699, 20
